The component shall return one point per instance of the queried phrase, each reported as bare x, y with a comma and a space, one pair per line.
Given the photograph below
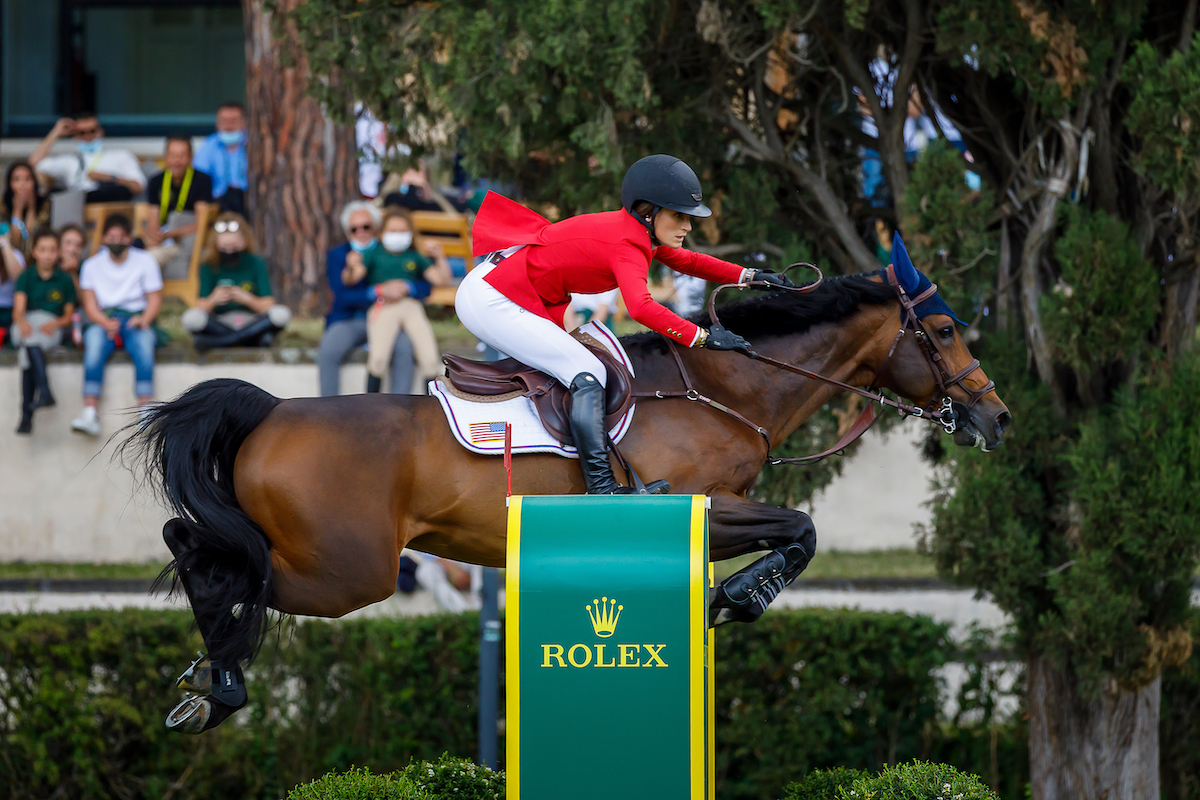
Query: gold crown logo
604, 614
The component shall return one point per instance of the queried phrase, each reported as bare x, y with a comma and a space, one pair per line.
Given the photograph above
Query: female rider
515, 300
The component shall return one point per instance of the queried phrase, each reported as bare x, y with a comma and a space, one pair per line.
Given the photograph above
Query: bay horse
304, 505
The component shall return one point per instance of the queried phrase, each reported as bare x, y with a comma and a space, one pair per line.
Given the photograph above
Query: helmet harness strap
648, 225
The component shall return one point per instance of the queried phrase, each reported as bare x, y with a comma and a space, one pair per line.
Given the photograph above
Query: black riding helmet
665, 182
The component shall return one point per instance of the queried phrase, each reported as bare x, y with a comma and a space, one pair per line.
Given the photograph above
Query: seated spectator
398, 259
22, 207
346, 322
416, 193
43, 305
12, 264
587, 307
121, 292
222, 156
107, 174
178, 194
72, 244
236, 307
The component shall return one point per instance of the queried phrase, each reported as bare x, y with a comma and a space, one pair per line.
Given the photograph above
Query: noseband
944, 414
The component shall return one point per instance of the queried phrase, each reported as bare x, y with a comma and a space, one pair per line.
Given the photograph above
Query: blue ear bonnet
915, 282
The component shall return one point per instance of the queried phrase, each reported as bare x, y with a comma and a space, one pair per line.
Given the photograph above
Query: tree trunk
303, 166
1101, 749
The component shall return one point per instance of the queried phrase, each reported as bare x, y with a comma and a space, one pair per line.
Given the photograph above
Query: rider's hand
721, 339
773, 278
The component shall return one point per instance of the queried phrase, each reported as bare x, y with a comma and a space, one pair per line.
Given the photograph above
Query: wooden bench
453, 231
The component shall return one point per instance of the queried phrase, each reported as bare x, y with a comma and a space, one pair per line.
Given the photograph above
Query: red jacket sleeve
690, 262
632, 274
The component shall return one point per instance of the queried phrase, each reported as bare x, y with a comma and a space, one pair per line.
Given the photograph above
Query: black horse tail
185, 450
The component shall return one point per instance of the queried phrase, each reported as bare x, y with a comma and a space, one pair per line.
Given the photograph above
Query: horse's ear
906, 273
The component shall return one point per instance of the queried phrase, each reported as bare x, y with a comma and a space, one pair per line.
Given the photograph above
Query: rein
945, 414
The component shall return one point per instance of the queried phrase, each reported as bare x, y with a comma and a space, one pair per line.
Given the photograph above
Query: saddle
495, 380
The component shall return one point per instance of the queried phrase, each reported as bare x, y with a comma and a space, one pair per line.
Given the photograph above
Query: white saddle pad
479, 426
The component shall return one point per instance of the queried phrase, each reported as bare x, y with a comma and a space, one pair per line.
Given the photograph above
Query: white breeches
525, 336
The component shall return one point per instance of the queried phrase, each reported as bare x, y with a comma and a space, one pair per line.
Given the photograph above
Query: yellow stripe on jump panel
712, 698
698, 626
512, 714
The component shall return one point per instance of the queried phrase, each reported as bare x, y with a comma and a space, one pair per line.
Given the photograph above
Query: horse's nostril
1003, 420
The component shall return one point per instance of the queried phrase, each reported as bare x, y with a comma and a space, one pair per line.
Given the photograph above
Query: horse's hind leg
738, 526
215, 691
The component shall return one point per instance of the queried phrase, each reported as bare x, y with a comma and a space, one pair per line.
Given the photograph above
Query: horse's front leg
738, 526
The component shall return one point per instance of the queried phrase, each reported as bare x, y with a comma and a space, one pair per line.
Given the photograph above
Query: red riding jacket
588, 254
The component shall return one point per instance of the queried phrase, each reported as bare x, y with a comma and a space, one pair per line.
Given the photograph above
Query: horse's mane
786, 313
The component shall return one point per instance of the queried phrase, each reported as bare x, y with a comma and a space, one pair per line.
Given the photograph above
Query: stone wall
64, 498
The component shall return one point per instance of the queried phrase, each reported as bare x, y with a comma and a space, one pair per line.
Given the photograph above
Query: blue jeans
97, 347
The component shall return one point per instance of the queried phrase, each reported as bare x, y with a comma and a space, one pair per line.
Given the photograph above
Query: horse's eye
946, 332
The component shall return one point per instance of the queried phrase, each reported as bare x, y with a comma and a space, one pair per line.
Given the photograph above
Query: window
146, 68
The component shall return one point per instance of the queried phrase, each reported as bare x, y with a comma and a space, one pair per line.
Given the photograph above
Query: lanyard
165, 197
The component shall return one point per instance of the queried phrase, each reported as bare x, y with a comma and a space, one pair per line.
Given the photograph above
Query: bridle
945, 413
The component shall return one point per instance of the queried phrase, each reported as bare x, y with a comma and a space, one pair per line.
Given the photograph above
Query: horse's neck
781, 401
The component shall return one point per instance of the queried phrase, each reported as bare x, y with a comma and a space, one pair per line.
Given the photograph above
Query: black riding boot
374, 384
28, 391
591, 439
37, 362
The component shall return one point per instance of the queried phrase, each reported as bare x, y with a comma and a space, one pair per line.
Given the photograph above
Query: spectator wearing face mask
417, 193
107, 174
178, 194
121, 288
236, 307
398, 259
222, 155
346, 322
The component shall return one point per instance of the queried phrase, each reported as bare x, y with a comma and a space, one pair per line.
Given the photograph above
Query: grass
39, 570
843, 564
305, 332
832, 564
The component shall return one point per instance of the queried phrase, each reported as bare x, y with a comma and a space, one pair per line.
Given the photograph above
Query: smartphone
225, 282
4, 228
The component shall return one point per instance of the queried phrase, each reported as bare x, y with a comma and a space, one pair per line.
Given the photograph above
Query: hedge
83, 696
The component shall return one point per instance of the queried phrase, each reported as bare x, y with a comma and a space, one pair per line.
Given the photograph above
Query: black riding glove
773, 278
721, 339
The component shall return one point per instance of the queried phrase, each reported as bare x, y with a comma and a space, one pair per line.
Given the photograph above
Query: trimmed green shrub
917, 780
823, 784
357, 784
83, 696
818, 688
455, 777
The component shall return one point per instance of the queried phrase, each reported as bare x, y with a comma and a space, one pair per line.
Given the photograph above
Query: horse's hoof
190, 716
198, 677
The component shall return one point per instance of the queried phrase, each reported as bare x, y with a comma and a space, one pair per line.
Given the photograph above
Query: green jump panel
608, 651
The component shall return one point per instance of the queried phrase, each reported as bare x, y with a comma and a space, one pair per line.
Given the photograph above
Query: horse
303, 505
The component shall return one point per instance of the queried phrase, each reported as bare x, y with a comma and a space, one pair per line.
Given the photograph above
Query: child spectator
121, 292
106, 174
71, 252
22, 206
43, 305
178, 194
236, 307
397, 259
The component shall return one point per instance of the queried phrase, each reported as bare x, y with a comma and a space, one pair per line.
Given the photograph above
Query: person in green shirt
43, 302
236, 307
398, 259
